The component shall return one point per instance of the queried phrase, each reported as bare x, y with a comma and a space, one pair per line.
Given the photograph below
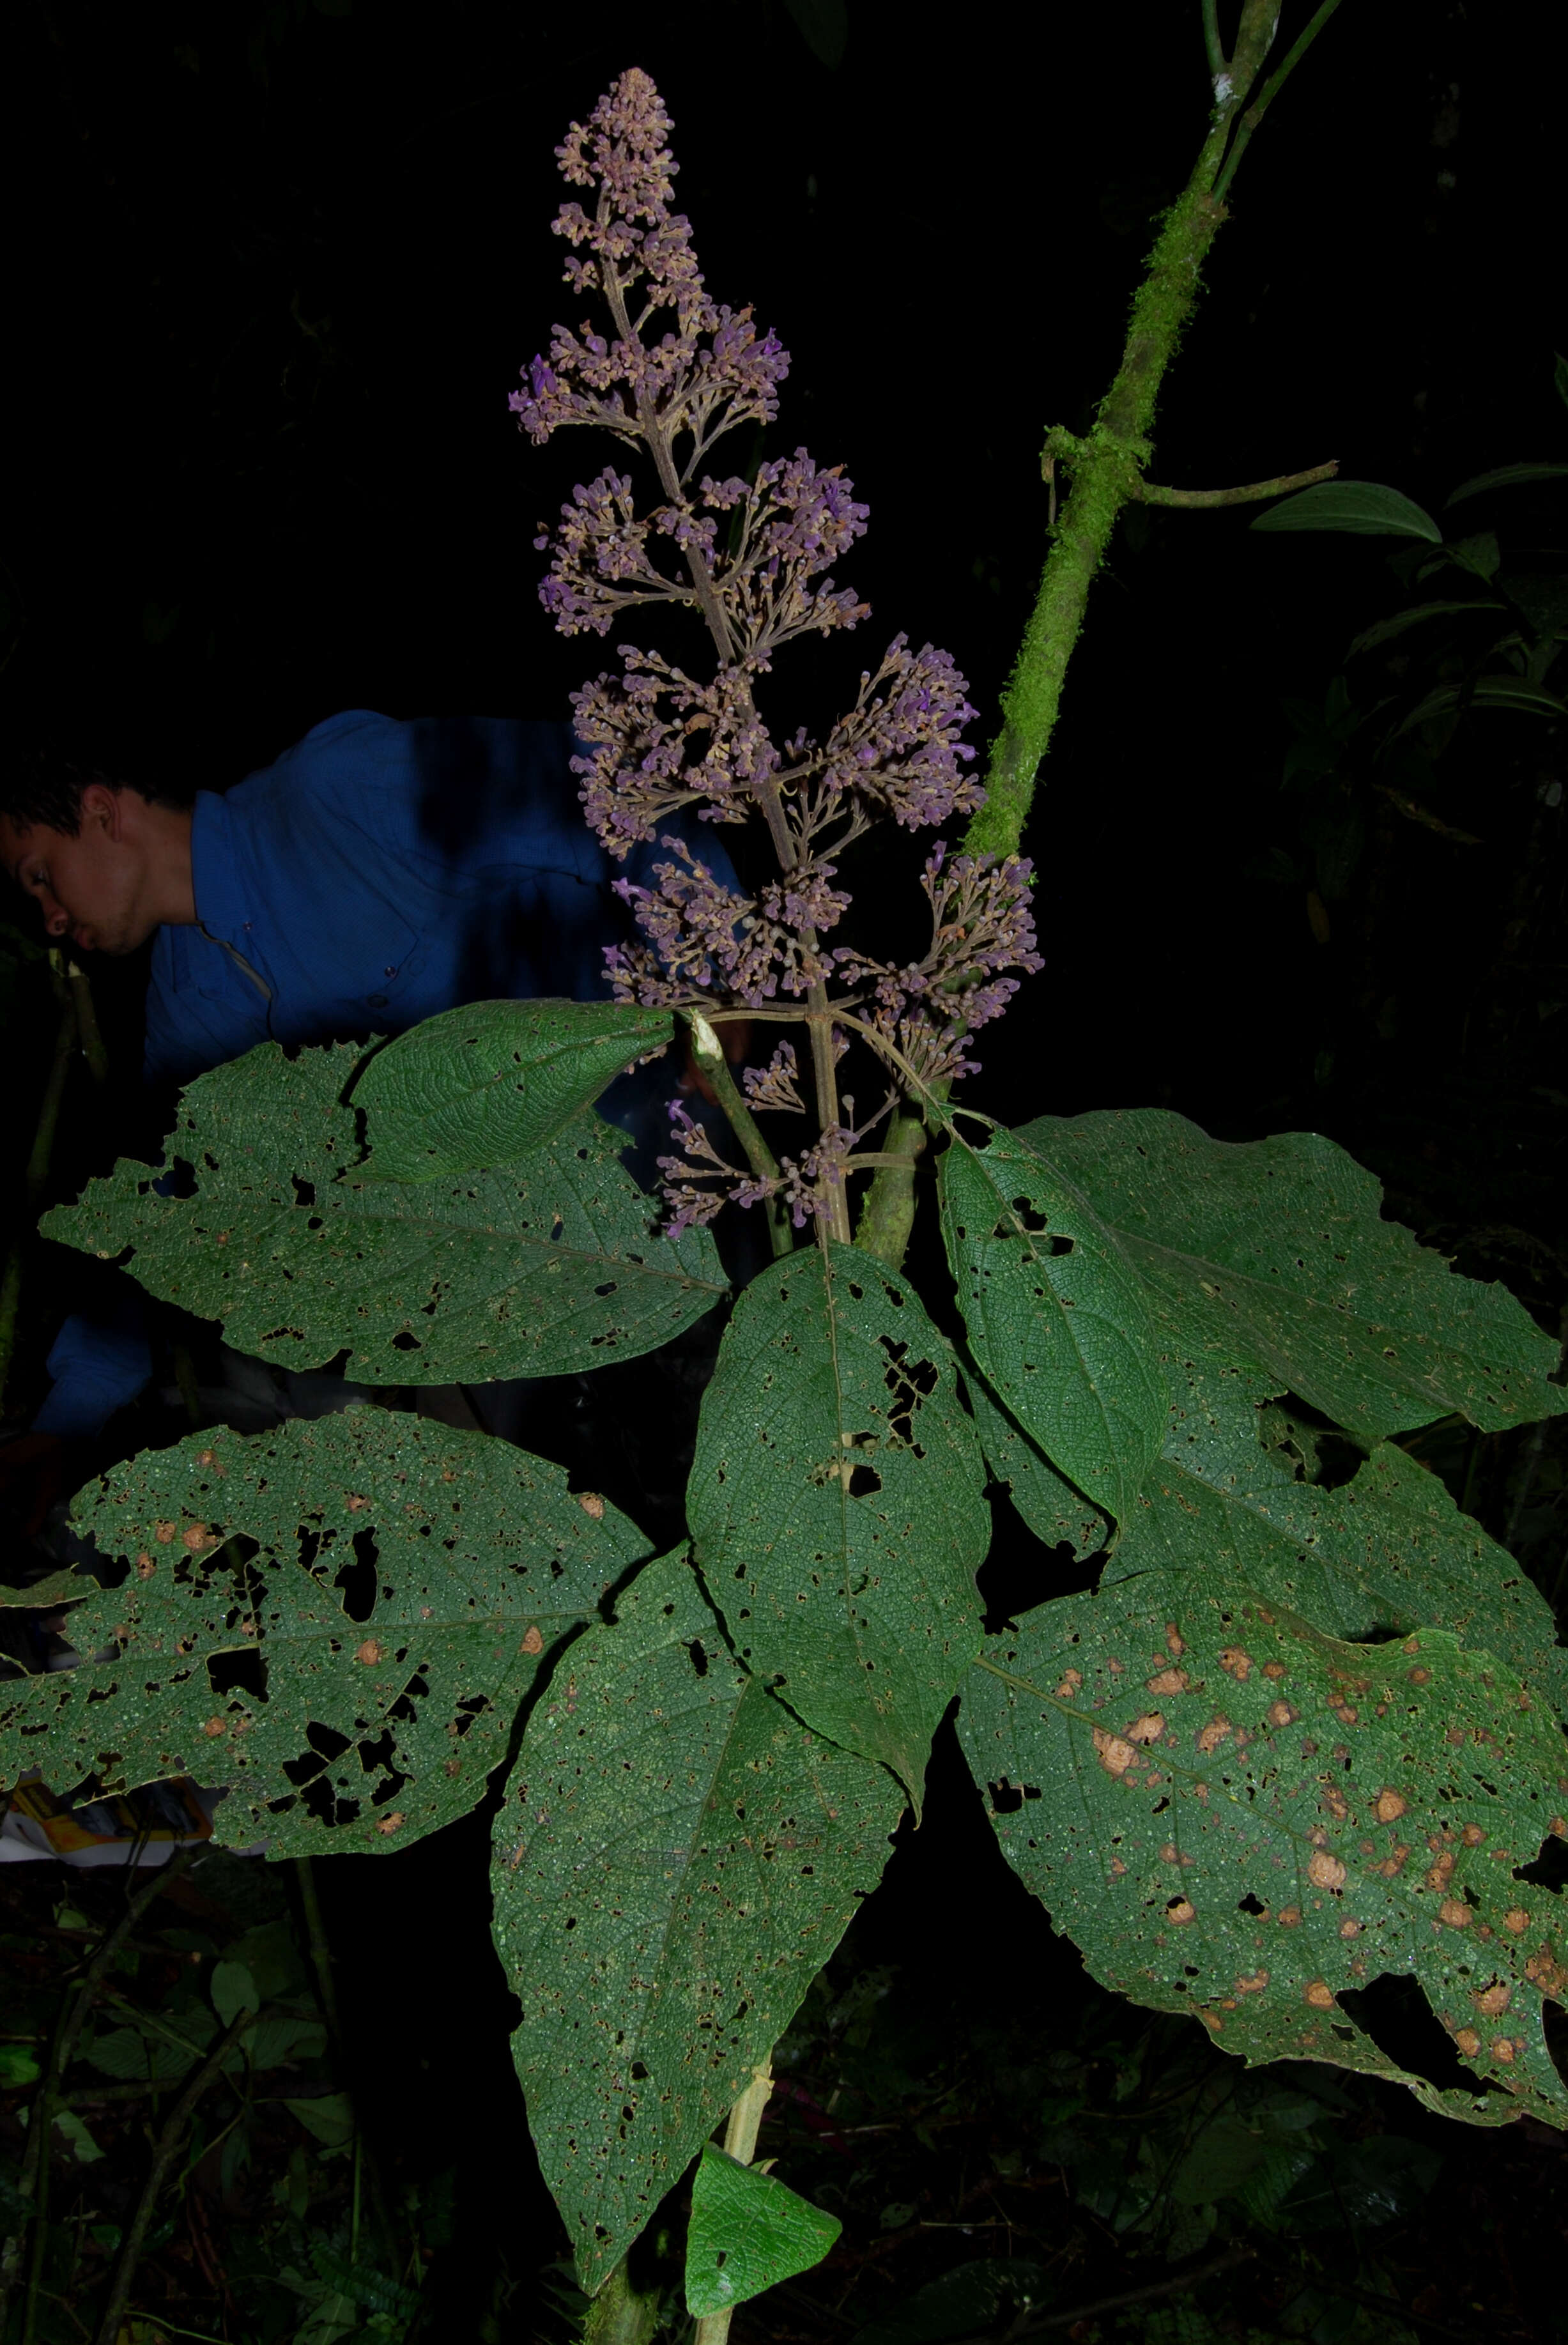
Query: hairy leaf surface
483, 1085
675, 1858
544, 1267
1058, 1321
1233, 1815
1385, 1552
836, 1503
350, 1666
1275, 1251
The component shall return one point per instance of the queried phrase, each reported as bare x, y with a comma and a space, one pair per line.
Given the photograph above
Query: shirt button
390, 969
378, 1002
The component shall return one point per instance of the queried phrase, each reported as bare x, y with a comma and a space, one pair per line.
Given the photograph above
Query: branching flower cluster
674, 373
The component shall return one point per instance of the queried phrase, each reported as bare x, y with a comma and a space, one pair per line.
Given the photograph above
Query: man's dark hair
41, 782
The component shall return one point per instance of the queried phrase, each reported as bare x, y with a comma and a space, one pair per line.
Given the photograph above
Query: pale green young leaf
1274, 1252
483, 1085
836, 1503
466, 1562
1056, 1318
544, 1267
1234, 1816
748, 2231
675, 1858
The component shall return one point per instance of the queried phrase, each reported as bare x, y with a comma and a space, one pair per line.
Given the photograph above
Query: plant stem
740, 2141
1270, 90
1148, 494
92, 1040
709, 1052
163, 2158
1106, 467
888, 1207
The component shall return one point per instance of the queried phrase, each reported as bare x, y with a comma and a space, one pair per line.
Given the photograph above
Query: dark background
271, 272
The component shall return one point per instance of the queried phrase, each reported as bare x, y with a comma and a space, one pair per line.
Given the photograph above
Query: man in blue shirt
377, 873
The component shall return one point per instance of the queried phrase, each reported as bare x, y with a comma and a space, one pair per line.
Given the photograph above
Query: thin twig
1149, 494
709, 1052
1270, 90
92, 1040
740, 2142
163, 2158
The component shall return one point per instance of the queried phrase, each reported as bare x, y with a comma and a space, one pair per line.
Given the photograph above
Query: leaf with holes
1055, 1318
1235, 1816
483, 1085
350, 1666
548, 1267
836, 1503
1274, 1252
1047, 1502
1385, 1551
747, 2232
675, 1858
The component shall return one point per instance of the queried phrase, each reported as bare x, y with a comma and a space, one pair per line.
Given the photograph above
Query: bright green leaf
483, 1085
1275, 1251
1056, 1316
544, 1267
747, 2233
464, 1560
675, 1858
1232, 1815
836, 1503
1506, 476
1360, 508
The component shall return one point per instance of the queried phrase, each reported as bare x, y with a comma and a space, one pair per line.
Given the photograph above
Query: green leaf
465, 1561
836, 1506
483, 1085
1233, 1815
544, 1267
824, 26
1056, 1316
747, 2233
18, 2067
1506, 476
70, 2126
1559, 376
1387, 629
330, 2116
1386, 1552
1483, 692
1361, 508
1274, 1252
675, 1861
233, 1990
1050, 1507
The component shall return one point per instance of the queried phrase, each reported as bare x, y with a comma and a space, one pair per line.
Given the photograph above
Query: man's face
88, 889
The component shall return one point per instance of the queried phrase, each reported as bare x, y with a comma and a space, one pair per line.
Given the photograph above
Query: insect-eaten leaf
747, 2232
1056, 1318
483, 1085
836, 1503
546, 1266
336, 1620
674, 1859
1275, 1252
1235, 1816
